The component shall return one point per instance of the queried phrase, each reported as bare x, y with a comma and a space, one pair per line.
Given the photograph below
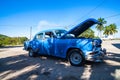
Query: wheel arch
72, 48
29, 48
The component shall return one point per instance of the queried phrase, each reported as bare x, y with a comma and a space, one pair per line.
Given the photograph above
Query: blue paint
57, 42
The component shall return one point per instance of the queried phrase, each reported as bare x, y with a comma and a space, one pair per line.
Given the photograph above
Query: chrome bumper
96, 56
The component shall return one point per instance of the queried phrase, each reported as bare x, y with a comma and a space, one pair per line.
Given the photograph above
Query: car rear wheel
75, 57
31, 53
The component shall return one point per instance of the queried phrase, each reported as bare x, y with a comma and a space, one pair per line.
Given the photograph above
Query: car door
48, 43
37, 43
61, 46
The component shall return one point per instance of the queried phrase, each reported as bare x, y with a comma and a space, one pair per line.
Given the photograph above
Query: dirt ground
16, 65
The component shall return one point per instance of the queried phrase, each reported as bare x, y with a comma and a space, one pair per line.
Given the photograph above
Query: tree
89, 33
6, 40
106, 30
100, 27
110, 30
113, 29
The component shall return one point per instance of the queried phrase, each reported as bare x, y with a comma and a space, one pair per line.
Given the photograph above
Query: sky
17, 16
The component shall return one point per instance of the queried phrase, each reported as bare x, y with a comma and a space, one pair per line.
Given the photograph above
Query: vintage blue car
66, 44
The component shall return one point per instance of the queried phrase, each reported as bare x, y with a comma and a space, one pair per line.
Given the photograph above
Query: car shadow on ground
107, 69
117, 45
45, 68
22, 67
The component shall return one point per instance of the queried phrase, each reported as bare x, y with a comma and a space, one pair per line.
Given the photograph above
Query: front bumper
96, 56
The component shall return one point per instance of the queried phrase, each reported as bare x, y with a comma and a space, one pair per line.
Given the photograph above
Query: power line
88, 12
64, 26
113, 15
93, 9
11, 25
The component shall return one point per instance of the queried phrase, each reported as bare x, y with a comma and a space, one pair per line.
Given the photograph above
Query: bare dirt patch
16, 65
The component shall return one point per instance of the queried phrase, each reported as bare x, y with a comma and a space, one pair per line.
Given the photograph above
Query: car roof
49, 30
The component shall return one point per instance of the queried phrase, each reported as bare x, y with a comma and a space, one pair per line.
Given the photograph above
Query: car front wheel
75, 57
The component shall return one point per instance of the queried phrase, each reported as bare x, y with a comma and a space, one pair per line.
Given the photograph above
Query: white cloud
44, 25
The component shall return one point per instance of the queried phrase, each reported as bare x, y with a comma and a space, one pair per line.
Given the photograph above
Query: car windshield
59, 33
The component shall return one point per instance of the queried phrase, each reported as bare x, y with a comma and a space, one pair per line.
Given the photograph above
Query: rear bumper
96, 56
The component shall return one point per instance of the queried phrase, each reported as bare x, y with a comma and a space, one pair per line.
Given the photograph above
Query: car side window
49, 34
59, 33
39, 36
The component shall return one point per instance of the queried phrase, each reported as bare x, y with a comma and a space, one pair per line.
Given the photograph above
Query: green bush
5, 40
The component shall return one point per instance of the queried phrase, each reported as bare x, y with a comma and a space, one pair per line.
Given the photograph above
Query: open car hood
80, 28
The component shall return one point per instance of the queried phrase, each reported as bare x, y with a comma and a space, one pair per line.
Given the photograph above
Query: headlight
95, 43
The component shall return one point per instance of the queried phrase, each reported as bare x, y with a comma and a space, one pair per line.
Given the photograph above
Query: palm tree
113, 29
106, 30
110, 30
100, 27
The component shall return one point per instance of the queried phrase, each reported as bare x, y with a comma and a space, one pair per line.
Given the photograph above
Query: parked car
66, 44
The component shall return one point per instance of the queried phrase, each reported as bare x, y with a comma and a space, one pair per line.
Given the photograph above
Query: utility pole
30, 32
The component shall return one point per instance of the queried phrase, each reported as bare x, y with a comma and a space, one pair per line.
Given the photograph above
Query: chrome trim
96, 57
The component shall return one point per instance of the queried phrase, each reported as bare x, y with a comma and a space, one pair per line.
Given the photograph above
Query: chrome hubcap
75, 58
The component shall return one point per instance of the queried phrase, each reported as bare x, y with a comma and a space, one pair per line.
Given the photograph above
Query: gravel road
16, 65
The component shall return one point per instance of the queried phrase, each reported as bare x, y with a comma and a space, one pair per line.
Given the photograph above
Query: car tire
75, 57
31, 53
